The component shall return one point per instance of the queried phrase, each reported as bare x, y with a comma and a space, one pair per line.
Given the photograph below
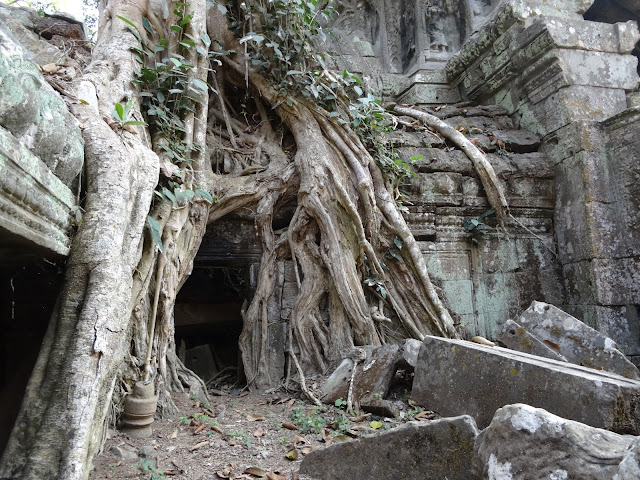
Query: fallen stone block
629, 468
529, 443
417, 450
373, 376
456, 377
410, 350
516, 337
576, 341
200, 361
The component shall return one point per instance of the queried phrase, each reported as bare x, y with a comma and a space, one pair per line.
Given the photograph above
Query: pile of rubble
560, 402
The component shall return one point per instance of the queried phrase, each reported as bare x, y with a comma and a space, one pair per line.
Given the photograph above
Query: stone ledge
34, 203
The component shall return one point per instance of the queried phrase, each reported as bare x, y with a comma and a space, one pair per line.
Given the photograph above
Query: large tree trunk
113, 323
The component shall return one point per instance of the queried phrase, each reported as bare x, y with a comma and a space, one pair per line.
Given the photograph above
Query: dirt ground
239, 435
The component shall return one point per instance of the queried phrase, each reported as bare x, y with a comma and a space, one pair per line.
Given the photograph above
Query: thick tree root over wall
113, 323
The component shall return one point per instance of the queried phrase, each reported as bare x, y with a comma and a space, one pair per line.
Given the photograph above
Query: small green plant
121, 114
308, 422
184, 420
341, 403
146, 465
377, 395
476, 225
342, 424
242, 436
203, 418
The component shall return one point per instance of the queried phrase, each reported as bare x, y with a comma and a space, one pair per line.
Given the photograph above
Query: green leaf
176, 62
181, 198
134, 122
205, 195
129, 22
375, 424
167, 193
200, 85
398, 242
147, 25
127, 108
206, 40
156, 234
119, 112
176, 28
358, 90
394, 254
222, 9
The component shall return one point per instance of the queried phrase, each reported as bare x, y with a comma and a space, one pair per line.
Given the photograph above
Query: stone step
456, 377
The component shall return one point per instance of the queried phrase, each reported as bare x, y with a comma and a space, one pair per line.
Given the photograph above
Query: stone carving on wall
403, 36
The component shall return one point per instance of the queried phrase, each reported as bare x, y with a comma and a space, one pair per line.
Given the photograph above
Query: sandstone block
421, 451
455, 377
516, 337
373, 375
578, 342
523, 442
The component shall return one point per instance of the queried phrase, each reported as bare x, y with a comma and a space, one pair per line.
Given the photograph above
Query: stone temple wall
571, 81
564, 70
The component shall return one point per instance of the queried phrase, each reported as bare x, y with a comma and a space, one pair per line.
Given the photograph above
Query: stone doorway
29, 287
208, 322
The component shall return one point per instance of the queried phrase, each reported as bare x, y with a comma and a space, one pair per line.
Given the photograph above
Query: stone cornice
34, 203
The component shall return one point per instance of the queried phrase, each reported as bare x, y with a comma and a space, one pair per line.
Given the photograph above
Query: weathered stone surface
34, 204
455, 377
516, 337
125, 453
578, 342
35, 114
422, 451
200, 361
439, 188
629, 468
410, 350
529, 443
373, 375
518, 141
437, 160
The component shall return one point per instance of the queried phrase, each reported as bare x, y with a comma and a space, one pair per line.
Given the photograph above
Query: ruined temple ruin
549, 89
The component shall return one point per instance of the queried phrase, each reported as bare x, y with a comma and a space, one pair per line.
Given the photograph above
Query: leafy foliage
476, 225
167, 95
146, 465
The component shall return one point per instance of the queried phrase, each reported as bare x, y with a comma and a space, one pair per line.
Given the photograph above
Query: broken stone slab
516, 337
371, 382
410, 351
199, 360
35, 114
629, 468
523, 442
578, 342
125, 453
456, 377
416, 450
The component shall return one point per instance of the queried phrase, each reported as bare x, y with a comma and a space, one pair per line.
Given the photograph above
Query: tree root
487, 174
